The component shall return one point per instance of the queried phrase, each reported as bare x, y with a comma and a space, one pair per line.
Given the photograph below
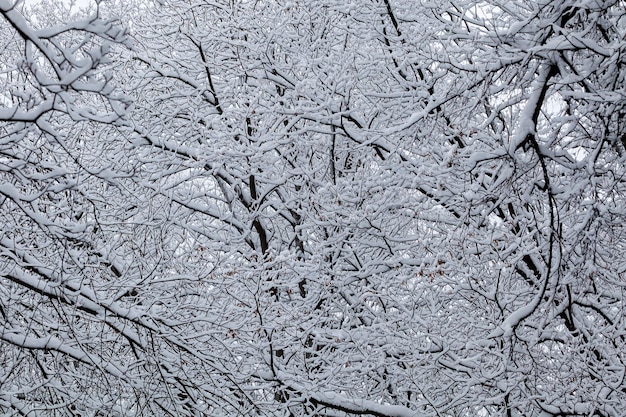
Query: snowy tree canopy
313, 208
